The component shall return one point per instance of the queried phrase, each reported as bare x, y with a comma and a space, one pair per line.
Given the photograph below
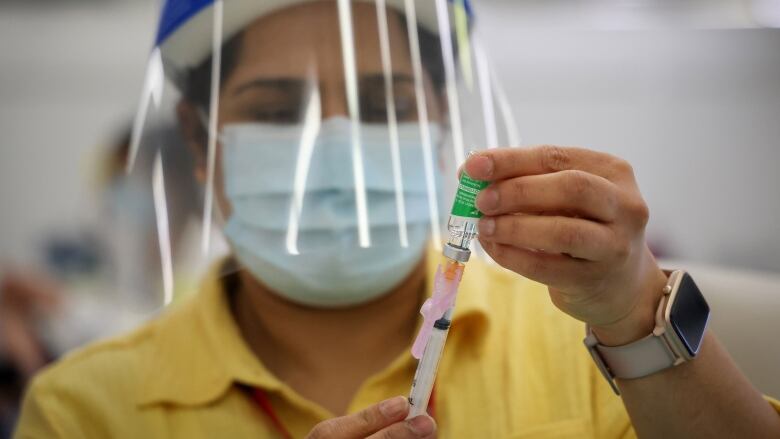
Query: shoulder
92, 390
110, 362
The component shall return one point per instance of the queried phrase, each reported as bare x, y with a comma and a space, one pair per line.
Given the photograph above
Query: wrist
640, 321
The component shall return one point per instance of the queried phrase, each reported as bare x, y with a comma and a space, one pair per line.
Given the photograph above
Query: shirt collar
198, 351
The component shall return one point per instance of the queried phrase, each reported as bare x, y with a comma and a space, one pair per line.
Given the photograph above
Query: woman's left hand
573, 219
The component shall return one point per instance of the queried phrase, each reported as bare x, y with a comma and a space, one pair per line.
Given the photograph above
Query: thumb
363, 423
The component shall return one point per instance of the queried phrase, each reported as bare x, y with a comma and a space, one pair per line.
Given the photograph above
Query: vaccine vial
462, 224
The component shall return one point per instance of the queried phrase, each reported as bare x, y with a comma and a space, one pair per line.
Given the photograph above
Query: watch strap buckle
591, 342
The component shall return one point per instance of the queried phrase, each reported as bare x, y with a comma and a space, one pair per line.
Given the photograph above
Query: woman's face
284, 55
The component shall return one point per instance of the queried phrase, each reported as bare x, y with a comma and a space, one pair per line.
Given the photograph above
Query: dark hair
196, 82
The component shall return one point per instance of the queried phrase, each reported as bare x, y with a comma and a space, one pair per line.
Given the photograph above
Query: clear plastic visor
323, 136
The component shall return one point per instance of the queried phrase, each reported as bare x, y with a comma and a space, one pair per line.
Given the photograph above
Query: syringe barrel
425, 376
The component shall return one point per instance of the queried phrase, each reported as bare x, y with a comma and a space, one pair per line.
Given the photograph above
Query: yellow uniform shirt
513, 367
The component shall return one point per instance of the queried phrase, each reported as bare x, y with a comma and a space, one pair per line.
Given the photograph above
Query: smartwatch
680, 323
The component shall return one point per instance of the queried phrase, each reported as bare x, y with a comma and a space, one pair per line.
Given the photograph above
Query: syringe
437, 311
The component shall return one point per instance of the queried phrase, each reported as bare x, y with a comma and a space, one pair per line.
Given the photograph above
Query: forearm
708, 397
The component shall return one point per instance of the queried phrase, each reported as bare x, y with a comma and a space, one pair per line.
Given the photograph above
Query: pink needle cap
442, 299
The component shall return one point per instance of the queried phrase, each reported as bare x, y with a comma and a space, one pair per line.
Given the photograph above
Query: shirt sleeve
38, 418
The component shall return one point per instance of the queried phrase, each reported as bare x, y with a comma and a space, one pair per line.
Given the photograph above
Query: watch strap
638, 359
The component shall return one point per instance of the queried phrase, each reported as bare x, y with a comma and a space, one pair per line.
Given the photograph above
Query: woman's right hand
386, 420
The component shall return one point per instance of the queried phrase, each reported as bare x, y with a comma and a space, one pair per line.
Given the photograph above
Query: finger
365, 422
502, 163
20, 345
29, 292
577, 192
579, 238
418, 427
557, 271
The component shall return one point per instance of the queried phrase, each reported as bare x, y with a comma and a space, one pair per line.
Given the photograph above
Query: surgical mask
314, 257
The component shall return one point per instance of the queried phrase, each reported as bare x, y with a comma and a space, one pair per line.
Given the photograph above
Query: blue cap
176, 13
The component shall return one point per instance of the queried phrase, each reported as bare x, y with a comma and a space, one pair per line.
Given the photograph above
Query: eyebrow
396, 77
292, 84
288, 84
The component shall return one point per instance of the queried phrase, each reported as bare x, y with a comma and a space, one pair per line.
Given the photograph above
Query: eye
276, 103
374, 108
405, 108
373, 114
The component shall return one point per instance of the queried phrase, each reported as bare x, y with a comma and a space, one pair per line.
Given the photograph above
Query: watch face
689, 314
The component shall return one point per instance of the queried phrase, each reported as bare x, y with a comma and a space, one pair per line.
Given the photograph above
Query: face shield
325, 137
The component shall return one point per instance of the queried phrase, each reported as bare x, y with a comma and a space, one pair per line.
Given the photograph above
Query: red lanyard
260, 397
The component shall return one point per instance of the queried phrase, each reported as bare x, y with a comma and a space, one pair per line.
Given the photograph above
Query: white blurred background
688, 91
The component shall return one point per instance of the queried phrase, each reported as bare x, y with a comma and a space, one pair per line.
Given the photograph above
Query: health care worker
325, 134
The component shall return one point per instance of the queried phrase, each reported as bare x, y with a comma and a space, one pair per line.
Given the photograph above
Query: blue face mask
322, 263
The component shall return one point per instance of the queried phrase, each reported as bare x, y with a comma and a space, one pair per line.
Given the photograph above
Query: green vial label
465, 198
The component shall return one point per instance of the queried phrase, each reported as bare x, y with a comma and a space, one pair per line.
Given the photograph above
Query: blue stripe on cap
175, 13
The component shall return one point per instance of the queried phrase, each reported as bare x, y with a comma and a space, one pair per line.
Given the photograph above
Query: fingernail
422, 426
393, 407
480, 167
487, 200
487, 226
